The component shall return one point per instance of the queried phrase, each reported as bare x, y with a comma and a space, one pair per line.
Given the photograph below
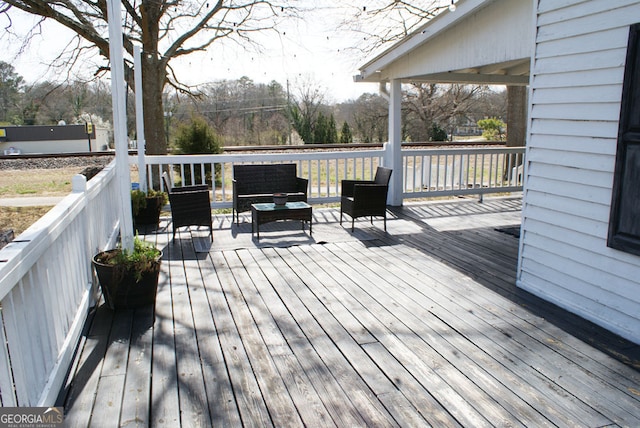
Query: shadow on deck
420, 326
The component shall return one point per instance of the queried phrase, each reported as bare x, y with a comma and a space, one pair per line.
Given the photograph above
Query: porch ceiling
483, 41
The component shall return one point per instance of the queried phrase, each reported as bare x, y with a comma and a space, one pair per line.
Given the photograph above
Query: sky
311, 50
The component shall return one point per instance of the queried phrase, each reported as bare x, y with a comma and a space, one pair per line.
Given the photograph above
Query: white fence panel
324, 169
46, 290
463, 171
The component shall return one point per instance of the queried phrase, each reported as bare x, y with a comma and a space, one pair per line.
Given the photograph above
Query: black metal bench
254, 184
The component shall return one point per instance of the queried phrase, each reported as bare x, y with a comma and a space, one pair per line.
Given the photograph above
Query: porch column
118, 95
393, 149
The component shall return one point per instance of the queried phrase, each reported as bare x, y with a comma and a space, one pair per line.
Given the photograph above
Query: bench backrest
268, 178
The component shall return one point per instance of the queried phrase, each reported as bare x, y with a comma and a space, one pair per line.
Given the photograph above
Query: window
624, 222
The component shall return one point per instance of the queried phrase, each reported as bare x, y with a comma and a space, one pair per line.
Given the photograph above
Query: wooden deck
421, 326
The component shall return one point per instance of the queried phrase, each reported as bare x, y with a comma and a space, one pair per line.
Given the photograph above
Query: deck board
419, 326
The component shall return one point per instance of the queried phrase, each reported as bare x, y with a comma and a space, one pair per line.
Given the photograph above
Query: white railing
46, 290
464, 171
323, 169
426, 172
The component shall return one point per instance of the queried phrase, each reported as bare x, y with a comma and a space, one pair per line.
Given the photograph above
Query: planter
121, 287
149, 214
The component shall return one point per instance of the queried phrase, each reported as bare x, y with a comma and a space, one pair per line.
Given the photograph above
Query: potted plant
146, 206
129, 279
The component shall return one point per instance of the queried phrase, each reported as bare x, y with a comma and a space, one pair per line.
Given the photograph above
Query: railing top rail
343, 146
462, 150
259, 157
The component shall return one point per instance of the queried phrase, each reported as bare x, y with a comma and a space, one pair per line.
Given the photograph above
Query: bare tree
442, 105
166, 30
382, 22
371, 118
307, 102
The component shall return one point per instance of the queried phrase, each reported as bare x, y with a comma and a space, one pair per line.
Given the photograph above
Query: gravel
20, 163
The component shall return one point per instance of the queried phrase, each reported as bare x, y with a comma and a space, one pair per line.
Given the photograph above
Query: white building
578, 249
52, 139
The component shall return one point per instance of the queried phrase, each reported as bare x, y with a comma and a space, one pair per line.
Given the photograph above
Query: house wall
576, 87
52, 139
510, 25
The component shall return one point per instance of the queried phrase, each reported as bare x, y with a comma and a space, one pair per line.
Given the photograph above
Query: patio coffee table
268, 212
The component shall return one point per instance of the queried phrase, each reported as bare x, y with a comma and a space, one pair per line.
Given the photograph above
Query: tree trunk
516, 126
154, 68
516, 115
152, 85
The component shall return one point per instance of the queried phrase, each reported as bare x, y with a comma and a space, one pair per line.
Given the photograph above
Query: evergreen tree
10, 83
345, 134
332, 131
436, 133
197, 137
301, 123
321, 131
492, 128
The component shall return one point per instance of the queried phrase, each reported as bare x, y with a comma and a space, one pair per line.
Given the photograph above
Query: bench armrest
302, 184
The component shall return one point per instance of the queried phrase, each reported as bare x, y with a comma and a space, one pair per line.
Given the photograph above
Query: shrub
197, 137
436, 133
139, 199
145, 257
492, 129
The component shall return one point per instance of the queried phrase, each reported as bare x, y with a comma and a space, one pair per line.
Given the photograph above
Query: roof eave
372, 70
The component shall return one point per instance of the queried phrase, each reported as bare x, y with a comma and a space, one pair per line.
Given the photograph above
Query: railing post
78, 183
393, 149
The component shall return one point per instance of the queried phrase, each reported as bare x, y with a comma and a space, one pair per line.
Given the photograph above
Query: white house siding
576, 88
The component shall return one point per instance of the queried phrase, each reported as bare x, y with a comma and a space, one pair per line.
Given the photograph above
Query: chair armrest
302, 184
348, 186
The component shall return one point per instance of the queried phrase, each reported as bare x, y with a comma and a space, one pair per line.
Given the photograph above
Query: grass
33, 182
20, 218
41, 182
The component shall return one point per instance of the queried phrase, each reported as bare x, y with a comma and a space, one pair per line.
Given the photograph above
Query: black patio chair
362, 198
190, 205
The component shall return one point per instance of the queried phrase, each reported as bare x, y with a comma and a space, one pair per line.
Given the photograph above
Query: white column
137, 75
118, 92
393, 149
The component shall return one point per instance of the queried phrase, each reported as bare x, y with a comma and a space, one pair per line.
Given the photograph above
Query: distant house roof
483, 41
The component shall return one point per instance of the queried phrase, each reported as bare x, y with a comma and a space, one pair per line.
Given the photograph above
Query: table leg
255, 225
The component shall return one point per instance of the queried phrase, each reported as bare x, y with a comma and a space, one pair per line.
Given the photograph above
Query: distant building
52, 139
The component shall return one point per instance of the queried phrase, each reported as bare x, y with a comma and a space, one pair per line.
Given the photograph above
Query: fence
323, 169
426, 172
464, 171
46, 290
